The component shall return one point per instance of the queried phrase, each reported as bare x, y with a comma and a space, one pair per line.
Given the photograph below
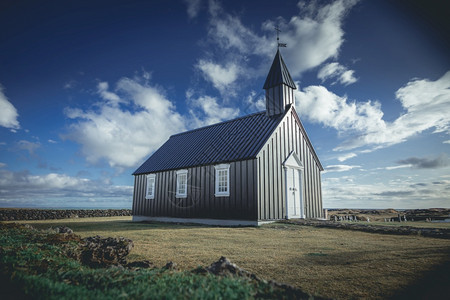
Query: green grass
330, 262
34, 264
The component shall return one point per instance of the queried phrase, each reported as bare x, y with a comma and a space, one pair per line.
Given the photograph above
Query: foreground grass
34, 265
330, 262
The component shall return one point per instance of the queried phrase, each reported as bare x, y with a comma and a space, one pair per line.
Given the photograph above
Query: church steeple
279, 87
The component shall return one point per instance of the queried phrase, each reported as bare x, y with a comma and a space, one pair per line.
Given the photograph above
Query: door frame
293, 162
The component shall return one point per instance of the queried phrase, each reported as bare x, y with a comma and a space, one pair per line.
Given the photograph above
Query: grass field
330, 262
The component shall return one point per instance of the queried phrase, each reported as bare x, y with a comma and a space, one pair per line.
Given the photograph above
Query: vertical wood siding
201, 201
287, 137
277, 98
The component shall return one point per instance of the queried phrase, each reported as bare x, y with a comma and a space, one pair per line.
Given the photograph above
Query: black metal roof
233, 140
278, 74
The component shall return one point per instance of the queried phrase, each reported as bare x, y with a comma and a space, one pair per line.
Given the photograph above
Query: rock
224, 267
100, 252
170, 266
142, 264
28, 226
63, 229
199, 270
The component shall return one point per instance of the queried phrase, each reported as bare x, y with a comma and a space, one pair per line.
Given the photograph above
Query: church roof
278, 74
233, 140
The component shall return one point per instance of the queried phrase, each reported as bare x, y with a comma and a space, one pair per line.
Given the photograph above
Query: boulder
97, 251
224, 267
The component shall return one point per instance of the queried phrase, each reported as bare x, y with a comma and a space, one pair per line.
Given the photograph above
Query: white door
293, 193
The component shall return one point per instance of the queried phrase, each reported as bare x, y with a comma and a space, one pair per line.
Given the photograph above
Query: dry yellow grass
410, 224
333, 263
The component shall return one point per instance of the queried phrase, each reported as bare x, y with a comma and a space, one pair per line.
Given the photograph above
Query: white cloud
319, 105
50, 181
398, 167
220, 76
55, 181
28, 146
346, 156
338, 72
16, 188
347, 77
339, 168
255, 102
329, 71
102, 89
313, 36
344, 191
124, 135
446, 142
2, 165
228, 33
193, 8
8, 113
426, 104
205, 110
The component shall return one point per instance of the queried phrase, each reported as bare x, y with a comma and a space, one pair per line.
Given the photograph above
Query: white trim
286, 204
215, 222
302, 191
293, 162
177, 194
218, 168
152, 194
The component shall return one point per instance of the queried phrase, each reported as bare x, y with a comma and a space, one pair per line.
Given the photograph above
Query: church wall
200, 201
289, 136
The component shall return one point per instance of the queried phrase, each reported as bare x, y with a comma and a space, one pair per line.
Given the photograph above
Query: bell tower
279, 87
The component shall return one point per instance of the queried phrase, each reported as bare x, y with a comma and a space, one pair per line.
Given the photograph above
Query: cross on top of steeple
278, 38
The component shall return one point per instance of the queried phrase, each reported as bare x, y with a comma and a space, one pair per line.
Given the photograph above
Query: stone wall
443, 233
48, 214
386, 215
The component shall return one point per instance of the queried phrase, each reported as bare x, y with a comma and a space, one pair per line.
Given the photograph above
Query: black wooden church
247, 171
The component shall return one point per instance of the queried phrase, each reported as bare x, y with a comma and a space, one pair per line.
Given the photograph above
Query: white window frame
151, 182
220, 168
181, 176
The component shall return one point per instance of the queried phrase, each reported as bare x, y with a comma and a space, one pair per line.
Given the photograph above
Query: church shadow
433, 284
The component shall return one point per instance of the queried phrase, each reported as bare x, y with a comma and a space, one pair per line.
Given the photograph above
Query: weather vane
278, 38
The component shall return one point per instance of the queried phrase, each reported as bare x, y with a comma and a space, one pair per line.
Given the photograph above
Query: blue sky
89, 89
